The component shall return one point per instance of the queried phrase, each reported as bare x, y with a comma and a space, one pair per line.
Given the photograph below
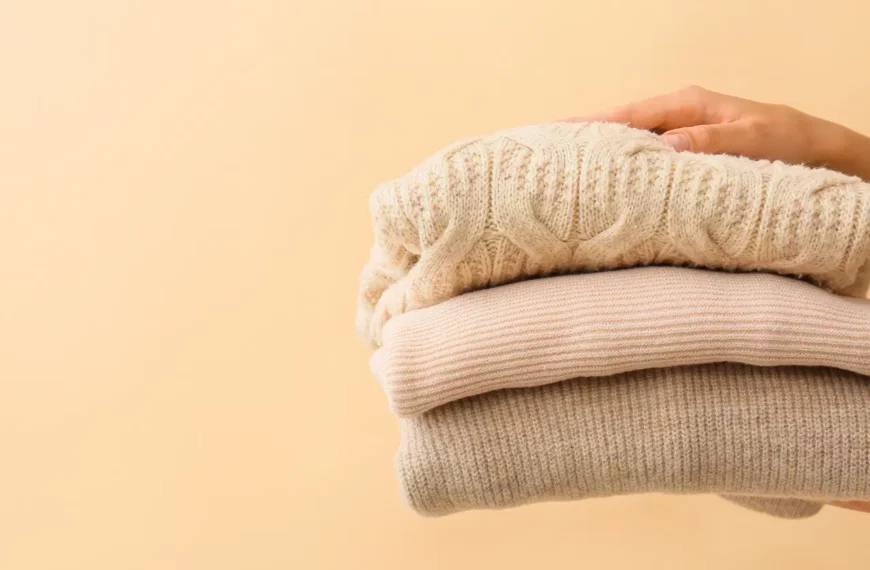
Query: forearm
849, 152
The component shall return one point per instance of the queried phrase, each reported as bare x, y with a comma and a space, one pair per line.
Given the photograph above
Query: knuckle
784, 108
692, 97
757, 127
705, 137
692, 90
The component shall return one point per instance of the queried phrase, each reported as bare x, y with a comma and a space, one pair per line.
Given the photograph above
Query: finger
727, 138
853, 505
684, 108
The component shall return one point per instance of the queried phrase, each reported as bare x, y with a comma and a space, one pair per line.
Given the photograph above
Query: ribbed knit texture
556, 328
717, 428
574, 197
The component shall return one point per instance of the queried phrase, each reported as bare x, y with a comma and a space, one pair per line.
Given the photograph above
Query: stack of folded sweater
576, 310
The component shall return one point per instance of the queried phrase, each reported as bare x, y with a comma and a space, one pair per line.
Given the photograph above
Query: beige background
183, 222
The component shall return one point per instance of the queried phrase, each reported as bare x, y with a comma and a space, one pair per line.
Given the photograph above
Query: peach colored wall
182, 224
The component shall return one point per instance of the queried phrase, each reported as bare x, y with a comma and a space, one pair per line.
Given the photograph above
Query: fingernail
677, 141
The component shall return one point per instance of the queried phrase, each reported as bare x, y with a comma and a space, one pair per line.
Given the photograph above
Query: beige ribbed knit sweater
716, 428
573, 197
596, 324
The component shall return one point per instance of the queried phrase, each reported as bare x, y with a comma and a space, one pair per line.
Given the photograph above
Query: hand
853, 505
699, 120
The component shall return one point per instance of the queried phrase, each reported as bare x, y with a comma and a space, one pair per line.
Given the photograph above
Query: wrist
848, 151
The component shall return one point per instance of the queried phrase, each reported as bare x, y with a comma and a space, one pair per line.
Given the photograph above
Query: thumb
709, 139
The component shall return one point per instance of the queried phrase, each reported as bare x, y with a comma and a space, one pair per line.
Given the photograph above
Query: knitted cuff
782, 508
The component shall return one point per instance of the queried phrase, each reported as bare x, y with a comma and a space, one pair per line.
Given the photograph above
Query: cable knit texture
547, 330
724, 428
574, 197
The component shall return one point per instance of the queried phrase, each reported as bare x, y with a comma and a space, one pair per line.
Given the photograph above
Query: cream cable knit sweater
716, 428
596, 324
565, 197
